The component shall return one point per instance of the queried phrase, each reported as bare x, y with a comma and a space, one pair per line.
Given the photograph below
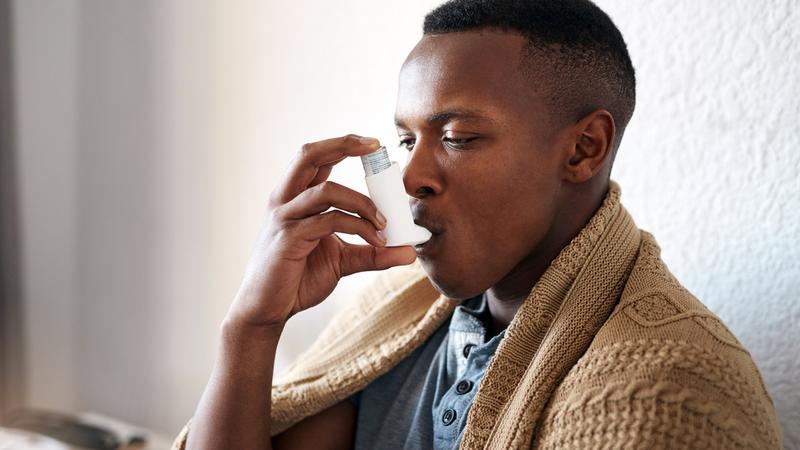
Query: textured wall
710, 165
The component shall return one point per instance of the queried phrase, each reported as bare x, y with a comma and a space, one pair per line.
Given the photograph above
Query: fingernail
381, 238
368, 140
381, 219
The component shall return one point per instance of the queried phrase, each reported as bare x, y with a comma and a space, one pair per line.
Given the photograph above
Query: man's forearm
234, 411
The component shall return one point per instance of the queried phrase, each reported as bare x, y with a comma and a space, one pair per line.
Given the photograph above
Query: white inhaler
385, 186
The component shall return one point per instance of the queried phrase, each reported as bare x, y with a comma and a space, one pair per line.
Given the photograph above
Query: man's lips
428, 226
424, 218
427, 248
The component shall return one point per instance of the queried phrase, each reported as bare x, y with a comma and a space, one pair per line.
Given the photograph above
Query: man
537, 316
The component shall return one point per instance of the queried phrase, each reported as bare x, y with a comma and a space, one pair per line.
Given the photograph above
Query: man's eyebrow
449, 115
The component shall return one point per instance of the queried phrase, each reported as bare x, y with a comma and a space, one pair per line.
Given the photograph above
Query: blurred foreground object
42, 429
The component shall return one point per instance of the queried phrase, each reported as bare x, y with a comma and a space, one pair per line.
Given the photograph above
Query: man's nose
420, 175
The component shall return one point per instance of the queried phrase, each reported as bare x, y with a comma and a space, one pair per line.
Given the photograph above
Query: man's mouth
428, 247
429, 225
423, 218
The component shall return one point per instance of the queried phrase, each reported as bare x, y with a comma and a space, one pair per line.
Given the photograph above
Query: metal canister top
376, 162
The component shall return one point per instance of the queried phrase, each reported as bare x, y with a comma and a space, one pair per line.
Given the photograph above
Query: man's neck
506, 296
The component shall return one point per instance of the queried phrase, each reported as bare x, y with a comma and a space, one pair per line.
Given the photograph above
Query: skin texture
514, 195
504, 204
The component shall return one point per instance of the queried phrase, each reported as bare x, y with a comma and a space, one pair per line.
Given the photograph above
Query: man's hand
296, 264
298, 261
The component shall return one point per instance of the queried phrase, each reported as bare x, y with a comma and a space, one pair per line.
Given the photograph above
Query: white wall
152, 132
710, 165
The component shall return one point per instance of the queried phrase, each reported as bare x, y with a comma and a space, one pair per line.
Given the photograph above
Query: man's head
512, 112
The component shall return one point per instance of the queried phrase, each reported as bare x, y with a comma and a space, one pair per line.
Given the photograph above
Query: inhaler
385, 186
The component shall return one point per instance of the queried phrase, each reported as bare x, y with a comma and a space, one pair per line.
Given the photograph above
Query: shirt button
467, 349
463, 387
449, 416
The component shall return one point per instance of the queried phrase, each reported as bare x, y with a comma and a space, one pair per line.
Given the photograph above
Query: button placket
463, 387
449, 416
463, 343
467, 336
467, 349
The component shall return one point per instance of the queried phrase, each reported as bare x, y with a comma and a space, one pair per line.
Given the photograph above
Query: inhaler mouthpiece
385, 186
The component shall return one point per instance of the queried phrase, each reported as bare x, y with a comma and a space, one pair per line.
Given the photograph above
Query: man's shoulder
672, 335
662, 352
655, 306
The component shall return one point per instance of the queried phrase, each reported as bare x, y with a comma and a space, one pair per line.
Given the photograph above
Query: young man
538, 315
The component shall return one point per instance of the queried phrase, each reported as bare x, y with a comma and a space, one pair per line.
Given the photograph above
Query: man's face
495, 197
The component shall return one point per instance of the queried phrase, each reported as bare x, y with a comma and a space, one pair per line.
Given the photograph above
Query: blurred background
141, 139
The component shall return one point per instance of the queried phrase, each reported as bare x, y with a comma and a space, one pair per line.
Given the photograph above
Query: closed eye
459, 142
404, 143
409, 143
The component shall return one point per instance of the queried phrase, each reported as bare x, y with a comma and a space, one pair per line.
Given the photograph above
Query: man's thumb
360, 258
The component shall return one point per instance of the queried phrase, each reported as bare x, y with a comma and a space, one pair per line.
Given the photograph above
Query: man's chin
450, 286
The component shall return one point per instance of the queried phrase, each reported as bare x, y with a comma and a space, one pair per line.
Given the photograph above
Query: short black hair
573, 50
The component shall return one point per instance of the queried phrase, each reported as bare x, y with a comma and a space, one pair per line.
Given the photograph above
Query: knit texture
607, 351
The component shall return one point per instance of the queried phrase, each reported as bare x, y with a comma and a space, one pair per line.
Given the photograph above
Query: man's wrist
235, 331
247, 352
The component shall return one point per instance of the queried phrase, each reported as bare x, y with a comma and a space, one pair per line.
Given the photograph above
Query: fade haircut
574, 55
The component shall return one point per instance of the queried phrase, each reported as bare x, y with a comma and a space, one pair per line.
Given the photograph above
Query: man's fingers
322, 225
322, 174
328, 194
305, 167
360, 258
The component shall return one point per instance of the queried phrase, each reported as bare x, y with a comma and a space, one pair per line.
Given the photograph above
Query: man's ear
591, 146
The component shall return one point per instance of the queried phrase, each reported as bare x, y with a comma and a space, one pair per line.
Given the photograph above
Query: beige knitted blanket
608, 351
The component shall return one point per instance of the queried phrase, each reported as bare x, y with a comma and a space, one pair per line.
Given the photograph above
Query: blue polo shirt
422, 402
